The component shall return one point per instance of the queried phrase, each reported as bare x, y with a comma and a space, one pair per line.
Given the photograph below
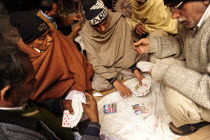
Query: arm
194, 85
91, 110
166, 46
161, 47
124, 6
68, 20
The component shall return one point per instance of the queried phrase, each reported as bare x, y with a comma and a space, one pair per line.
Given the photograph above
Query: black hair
12, 70
46, 5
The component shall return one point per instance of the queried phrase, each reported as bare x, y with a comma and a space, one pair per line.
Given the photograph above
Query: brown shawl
59, 69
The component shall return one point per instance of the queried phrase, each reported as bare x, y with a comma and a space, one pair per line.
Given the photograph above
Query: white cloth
125, 125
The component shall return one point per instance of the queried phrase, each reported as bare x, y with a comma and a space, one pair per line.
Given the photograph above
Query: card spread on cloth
110, 108
140, 109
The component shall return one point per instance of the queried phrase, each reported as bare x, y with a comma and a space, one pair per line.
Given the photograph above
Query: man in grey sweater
187, 91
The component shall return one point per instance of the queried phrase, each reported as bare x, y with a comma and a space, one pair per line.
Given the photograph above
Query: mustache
181, 19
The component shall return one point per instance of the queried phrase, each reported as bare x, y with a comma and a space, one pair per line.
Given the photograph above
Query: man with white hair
187, 92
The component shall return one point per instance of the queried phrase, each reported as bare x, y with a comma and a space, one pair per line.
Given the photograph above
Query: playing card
66, 118
110, 108
140, 109
140, 90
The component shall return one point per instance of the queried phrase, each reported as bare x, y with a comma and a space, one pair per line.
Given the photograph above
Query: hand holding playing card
138, 76
91, 108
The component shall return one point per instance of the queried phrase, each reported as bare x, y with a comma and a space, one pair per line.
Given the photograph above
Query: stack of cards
140, 109
72, 120
110, 108
140, 90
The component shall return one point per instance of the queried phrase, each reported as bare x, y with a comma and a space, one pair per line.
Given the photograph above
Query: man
59, 66
107, 40
152, 17
21, 119
187, 97
49, 12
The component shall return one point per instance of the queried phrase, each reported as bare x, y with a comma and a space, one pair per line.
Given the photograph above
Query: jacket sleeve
194, 85
166, 46
65, 21
92, 132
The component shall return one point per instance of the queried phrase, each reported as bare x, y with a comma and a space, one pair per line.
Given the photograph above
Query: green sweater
194, 80
46, 117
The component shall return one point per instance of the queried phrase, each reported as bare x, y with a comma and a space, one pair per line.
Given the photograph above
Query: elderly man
49, 12
22, 119
107, 40
153, 18
188, 98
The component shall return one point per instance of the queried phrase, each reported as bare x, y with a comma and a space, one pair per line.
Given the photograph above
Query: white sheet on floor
125, 125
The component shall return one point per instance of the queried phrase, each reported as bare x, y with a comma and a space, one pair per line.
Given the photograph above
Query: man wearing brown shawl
58, 65
107, 40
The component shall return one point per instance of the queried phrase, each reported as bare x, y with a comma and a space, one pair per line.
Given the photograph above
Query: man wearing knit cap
107, 40
187, 91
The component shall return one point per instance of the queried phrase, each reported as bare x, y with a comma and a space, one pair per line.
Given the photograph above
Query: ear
3, 92
206, 2
46, 12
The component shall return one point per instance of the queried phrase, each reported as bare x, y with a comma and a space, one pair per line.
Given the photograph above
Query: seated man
49, 12
152, 17
107, 40
187, 92
21, 119
59, 66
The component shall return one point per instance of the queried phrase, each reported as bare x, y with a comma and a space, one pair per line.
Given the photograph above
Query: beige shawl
110, 52
155, 16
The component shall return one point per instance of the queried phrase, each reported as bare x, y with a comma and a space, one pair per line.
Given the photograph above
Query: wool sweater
193, 81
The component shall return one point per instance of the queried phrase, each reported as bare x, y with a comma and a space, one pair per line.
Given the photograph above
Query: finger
138, 42
143, 29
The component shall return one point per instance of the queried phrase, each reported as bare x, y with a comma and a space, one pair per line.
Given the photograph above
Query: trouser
101, 84
181, 109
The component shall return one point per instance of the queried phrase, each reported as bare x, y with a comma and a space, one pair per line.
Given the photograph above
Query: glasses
173, 8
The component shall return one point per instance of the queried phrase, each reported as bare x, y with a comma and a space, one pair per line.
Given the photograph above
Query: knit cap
29, 26
95, 11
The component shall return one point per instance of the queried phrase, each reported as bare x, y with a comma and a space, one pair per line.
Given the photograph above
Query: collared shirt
202, 20
204, 17
12, 108
38, 50
50, 19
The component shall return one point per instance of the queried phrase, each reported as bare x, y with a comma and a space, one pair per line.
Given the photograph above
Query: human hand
77, 17
140, 30
141, 46
77, 28
138, 76
91, 108
68, 106
124, 91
